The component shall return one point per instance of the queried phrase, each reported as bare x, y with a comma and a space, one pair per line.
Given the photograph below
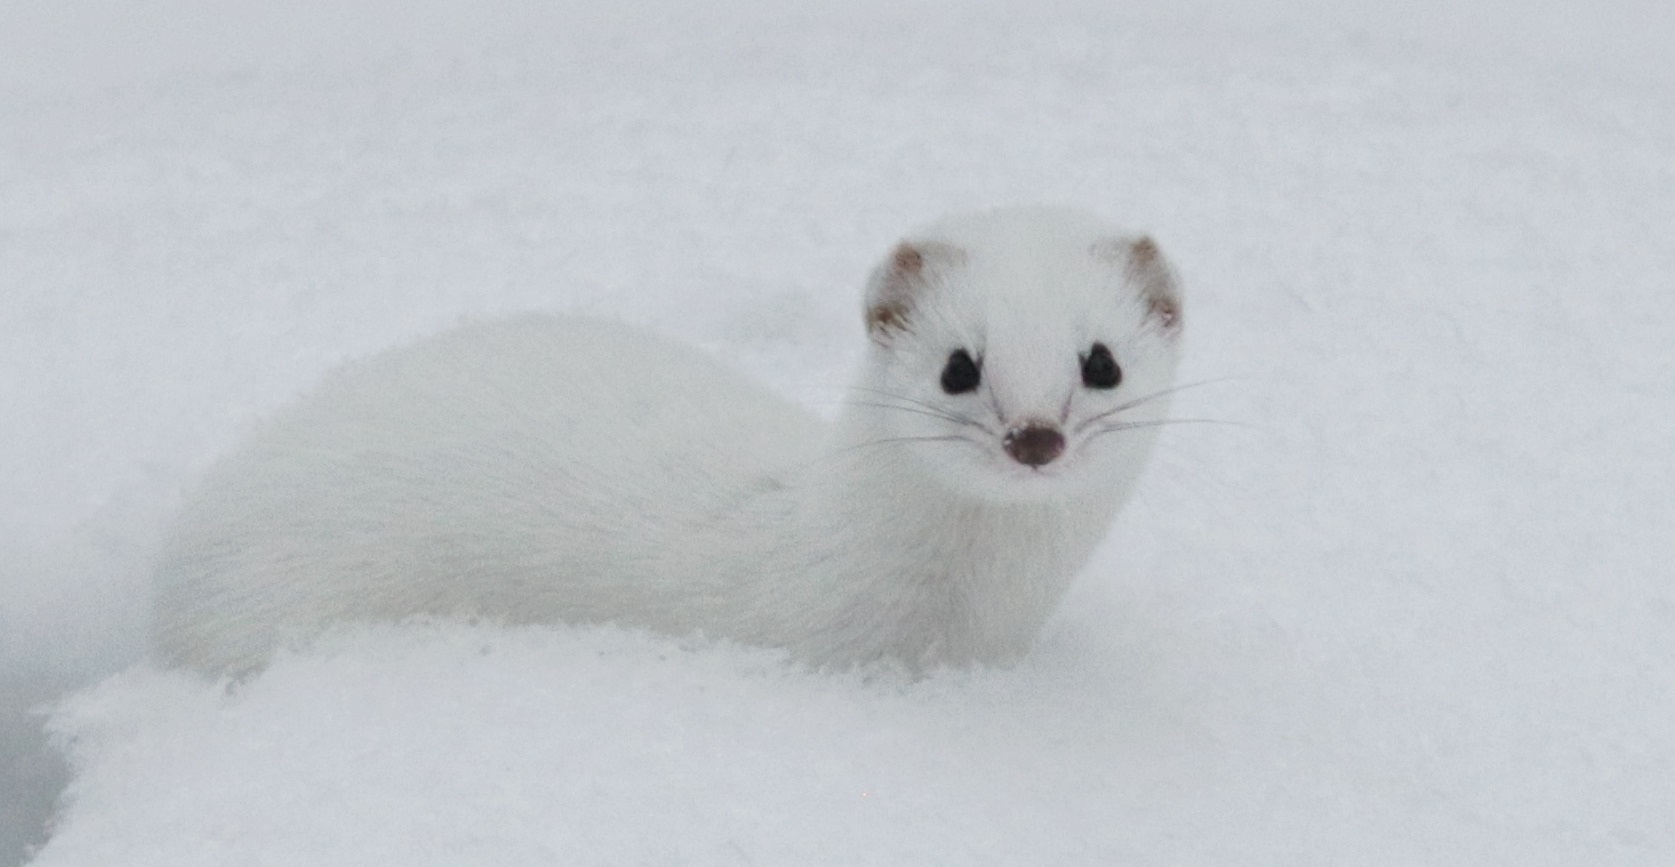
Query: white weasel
552, 469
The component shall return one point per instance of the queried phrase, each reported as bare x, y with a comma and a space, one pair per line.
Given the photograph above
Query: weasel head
1021, 354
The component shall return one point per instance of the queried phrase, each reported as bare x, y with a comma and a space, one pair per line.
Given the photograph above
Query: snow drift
1421, 614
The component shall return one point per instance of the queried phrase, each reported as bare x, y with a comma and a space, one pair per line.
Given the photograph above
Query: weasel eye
1099, 368
961, 375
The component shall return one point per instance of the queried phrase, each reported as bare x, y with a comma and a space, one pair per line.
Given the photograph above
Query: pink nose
1034, 445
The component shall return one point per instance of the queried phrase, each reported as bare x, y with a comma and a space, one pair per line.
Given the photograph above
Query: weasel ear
899, 281
1148, 272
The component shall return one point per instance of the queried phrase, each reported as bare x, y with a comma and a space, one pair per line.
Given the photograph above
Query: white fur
550, 469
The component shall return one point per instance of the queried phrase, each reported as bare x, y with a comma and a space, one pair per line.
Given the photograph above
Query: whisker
932, 413
1147, 399
896, 440
929, 408
901, 397
1114, 427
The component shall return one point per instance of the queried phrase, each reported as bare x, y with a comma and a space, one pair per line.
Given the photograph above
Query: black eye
1099, 368
961, 375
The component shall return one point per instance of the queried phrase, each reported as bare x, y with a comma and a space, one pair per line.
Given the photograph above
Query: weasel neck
880, 559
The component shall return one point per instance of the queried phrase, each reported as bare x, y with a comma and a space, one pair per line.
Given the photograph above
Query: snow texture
1419, 613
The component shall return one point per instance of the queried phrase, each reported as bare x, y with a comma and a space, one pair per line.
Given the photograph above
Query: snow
1418, 612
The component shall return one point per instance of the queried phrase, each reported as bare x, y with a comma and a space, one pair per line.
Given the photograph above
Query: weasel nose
1034, 445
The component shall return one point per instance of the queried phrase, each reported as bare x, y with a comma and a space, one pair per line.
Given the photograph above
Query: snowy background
1420, 613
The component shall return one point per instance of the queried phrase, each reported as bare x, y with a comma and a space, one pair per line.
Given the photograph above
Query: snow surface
1421, 614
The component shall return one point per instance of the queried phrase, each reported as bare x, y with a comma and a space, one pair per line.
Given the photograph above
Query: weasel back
524, 470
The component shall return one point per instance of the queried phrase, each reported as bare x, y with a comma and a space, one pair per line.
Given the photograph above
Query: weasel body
554, 469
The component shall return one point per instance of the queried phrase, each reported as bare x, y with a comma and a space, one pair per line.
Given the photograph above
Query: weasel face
1022, 354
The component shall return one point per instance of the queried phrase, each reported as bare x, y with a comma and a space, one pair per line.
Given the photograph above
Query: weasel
555, 469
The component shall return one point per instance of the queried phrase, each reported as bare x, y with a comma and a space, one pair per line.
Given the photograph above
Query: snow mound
451, 744
1421, 616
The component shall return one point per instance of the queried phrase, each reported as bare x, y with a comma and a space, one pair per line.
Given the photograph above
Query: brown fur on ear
1149, 272
885, 318
899, 280
1148, 269
907, 260
1144, 254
